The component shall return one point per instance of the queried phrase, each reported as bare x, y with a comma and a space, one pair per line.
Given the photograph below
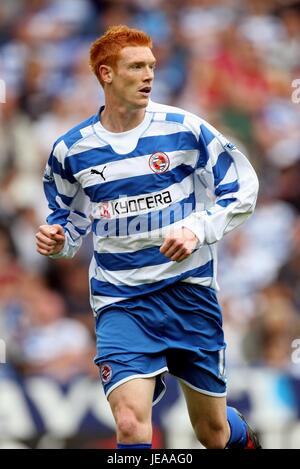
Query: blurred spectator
49, 343
271, 332
289, 274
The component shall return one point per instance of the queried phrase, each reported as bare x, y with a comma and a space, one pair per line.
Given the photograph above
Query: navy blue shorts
177, 329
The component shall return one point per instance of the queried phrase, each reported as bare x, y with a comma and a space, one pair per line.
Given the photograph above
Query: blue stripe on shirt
221, 167
226, 202
132, 186
136, 259
224, 189
58, 217
203, 154
99, 288
205, 137
207, 134
146, 146
58, 169
51, 194
174, 117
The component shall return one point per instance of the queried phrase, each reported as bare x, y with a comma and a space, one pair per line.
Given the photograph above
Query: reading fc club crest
159, 162
106, 373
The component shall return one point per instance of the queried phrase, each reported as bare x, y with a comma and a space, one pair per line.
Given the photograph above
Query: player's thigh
133, 397
204, 410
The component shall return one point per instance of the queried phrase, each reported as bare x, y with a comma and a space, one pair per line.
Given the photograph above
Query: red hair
105, 50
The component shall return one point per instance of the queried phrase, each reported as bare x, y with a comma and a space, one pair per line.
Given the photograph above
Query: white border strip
161, 372
202, 391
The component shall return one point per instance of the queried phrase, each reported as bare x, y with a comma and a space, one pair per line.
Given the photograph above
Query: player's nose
149, 74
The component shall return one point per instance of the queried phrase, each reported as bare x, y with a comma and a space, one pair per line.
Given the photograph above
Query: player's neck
120, 119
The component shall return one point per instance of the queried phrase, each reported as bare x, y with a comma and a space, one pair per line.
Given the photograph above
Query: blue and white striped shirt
131, 188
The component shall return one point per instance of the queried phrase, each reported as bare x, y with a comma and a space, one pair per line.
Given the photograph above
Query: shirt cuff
195, 223
63, 252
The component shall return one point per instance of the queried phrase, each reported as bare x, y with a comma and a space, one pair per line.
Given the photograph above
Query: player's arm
230, 177
68, 221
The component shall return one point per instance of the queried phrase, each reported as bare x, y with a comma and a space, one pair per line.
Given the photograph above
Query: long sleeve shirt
131, 188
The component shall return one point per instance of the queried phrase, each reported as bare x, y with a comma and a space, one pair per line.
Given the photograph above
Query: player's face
133, 76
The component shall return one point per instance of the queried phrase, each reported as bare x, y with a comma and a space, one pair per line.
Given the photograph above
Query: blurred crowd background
236, 64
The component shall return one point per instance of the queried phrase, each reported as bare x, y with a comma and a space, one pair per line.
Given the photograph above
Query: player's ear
105, 73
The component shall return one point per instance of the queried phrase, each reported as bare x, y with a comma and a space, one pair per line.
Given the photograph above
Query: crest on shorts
105, 373
159, 162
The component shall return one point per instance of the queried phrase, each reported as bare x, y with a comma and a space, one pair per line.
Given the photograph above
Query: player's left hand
179, 244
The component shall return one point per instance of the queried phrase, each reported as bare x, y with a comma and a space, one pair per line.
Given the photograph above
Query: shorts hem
161, 371
163, 391
203, 391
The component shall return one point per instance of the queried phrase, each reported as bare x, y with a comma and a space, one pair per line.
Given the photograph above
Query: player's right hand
50, 239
